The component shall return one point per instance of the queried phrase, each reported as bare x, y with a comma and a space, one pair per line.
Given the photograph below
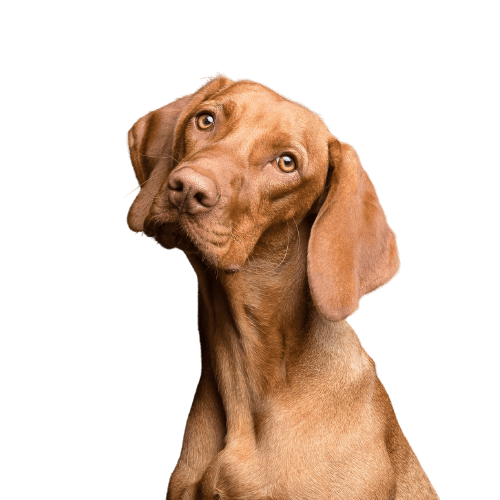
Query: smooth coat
289, 405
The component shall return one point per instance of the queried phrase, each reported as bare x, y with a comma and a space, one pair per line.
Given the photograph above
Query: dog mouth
208, 239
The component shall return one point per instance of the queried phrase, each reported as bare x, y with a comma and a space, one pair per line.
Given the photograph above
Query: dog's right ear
151, 141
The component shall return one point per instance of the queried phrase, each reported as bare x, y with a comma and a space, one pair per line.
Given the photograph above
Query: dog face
251, 163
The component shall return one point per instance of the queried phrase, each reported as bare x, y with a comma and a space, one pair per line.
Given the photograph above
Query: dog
285, 232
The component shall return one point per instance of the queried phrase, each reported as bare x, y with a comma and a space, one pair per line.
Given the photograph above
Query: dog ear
151, 142
351, 249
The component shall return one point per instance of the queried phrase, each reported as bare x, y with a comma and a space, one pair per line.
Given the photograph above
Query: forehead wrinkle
229, 109
259, 96
265, 146
274, 124
232, 109
281, 140
250, 98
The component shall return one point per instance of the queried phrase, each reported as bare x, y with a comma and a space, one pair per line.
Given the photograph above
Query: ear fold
151, 142
351, 249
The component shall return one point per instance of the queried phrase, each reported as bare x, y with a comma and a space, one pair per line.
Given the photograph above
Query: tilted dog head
223, 171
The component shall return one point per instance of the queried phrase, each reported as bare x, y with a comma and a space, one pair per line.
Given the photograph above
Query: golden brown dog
285, 232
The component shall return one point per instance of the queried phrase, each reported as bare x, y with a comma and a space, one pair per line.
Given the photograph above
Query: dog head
224, 170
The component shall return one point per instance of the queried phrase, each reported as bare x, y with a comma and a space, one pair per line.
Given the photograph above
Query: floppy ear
351, 249
151, 142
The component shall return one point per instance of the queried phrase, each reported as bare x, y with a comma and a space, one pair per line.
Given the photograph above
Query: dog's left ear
351, 249
150, 144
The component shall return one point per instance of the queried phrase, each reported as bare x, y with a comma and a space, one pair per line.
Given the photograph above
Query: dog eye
205, 121
286, 163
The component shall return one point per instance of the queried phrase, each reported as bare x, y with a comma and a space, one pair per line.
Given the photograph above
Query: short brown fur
289, 405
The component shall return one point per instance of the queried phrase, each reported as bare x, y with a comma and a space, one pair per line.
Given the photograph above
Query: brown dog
286, 233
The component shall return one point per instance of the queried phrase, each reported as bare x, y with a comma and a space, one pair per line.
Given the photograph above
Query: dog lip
218, 243
222, 233
232, 269
152, 228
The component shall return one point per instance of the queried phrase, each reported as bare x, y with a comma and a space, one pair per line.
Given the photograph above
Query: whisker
233, 237
169, 157
135, 189
178, 239
298, 232
286, 251
142, 183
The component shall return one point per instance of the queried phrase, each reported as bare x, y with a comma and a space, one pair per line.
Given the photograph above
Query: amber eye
286, 163
205, 121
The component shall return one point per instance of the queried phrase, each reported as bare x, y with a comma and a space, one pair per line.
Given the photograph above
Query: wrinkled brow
227, 108
282, 140
230, 109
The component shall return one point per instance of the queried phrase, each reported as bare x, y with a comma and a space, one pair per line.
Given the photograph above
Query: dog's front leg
203, 439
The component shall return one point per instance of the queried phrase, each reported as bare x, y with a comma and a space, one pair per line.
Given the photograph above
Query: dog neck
252, 326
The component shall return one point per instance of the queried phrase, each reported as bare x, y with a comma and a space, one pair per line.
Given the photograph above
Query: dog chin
170, 240
212, 260
211, 255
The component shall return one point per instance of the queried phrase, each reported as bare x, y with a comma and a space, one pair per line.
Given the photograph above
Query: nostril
199, 197
176, 184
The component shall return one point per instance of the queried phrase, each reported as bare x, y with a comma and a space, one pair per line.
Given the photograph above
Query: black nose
191, 191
